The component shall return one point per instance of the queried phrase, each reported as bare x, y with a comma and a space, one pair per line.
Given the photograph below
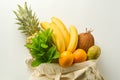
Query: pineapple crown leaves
27, 20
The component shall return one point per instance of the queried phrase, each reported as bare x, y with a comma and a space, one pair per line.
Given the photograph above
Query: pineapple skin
29, 39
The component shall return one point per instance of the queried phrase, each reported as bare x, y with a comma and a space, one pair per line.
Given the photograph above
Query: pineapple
29, 39
27, 20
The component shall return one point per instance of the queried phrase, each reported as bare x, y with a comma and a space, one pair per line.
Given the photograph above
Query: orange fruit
66, 59
79, 55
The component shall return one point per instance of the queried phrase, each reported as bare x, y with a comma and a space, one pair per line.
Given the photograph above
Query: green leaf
35, 63
50, 53
44, 45
28, 46
42, 49
56, 55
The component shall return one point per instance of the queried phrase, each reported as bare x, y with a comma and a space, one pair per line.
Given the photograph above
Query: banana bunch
62, 38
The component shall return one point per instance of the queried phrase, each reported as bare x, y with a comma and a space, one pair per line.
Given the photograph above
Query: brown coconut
85, 40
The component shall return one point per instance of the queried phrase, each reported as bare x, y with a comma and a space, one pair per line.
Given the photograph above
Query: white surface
102, 15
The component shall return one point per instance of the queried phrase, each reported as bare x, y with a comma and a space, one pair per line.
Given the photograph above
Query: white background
101, 15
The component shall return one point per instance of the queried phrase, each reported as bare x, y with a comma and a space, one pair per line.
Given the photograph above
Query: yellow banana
63, 29
73, 39
45, 25
57, 37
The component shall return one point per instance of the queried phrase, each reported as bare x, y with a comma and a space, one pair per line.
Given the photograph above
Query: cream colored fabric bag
52, 71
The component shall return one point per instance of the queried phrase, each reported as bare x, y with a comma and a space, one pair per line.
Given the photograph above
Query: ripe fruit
93, 52
29, 39
85, 40
73, 39
63, 29
79, 55
66, 59
56, 36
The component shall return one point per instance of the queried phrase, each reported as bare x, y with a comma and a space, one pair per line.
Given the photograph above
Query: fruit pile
74, 47
52, 42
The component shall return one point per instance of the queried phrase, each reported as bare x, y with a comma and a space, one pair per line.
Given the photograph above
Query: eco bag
52, 71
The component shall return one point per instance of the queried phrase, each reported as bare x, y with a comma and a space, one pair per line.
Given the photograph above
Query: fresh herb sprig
42, 48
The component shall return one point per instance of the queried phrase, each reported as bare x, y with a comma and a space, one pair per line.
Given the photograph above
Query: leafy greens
42, 48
